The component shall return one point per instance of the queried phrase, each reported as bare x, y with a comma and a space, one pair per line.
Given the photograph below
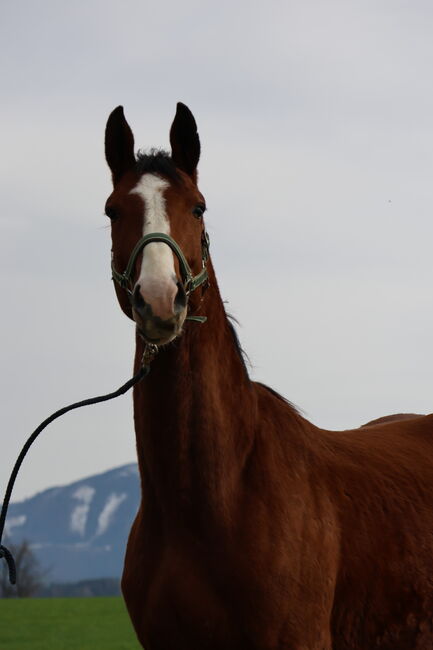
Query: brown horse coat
258, 530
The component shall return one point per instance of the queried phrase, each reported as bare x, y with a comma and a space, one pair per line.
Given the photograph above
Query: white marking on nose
157, 277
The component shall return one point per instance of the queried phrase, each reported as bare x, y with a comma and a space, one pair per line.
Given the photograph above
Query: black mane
157, 161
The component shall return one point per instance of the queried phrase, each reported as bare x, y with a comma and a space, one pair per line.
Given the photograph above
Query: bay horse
256, 530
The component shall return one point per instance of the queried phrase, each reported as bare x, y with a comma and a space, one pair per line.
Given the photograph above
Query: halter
190, 282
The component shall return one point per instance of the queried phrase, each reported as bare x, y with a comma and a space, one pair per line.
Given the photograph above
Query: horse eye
199, 210
111, 213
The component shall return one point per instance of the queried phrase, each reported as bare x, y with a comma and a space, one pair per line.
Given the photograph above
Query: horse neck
194, 414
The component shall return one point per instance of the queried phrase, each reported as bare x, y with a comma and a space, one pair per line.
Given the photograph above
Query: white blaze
157, 262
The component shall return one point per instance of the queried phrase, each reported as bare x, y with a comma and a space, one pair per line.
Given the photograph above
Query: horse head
159, 243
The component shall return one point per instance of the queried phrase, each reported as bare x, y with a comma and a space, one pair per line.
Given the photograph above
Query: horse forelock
157, 161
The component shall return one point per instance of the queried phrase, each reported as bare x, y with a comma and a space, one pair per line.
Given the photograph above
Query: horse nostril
180, 299
137, 299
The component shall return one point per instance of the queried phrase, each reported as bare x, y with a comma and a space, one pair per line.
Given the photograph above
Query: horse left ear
184, 140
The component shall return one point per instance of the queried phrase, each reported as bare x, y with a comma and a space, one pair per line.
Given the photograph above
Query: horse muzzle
161, 319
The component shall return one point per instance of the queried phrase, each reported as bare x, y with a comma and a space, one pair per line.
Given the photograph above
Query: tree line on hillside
29, 573
32, 579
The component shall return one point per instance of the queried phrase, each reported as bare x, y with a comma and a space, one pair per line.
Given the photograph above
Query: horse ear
184, 140
119, 144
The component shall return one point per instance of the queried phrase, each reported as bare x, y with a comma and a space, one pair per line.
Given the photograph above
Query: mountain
79, 531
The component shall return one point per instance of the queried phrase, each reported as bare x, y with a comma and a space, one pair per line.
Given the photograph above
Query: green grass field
65, 624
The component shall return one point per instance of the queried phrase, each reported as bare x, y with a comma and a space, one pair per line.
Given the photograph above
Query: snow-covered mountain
79, 531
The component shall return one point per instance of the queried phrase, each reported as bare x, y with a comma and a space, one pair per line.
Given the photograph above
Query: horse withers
256, 529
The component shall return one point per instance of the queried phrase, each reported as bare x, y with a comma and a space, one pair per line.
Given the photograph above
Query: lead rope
149, 353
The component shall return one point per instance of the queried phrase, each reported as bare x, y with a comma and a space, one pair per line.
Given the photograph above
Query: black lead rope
4, 552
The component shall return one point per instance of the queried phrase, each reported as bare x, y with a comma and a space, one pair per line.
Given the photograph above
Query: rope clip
150, 352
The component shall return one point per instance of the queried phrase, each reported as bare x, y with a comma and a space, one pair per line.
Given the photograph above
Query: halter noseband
190, 281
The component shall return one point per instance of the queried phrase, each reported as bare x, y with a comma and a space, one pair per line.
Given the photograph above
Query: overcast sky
316, 123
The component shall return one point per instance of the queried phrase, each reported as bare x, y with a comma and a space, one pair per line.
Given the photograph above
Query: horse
256, 529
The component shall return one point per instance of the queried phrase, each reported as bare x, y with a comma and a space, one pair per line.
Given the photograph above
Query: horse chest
185, 597
173, 604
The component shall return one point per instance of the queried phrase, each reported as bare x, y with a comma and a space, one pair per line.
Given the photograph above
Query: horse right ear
119, 144
184, 140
